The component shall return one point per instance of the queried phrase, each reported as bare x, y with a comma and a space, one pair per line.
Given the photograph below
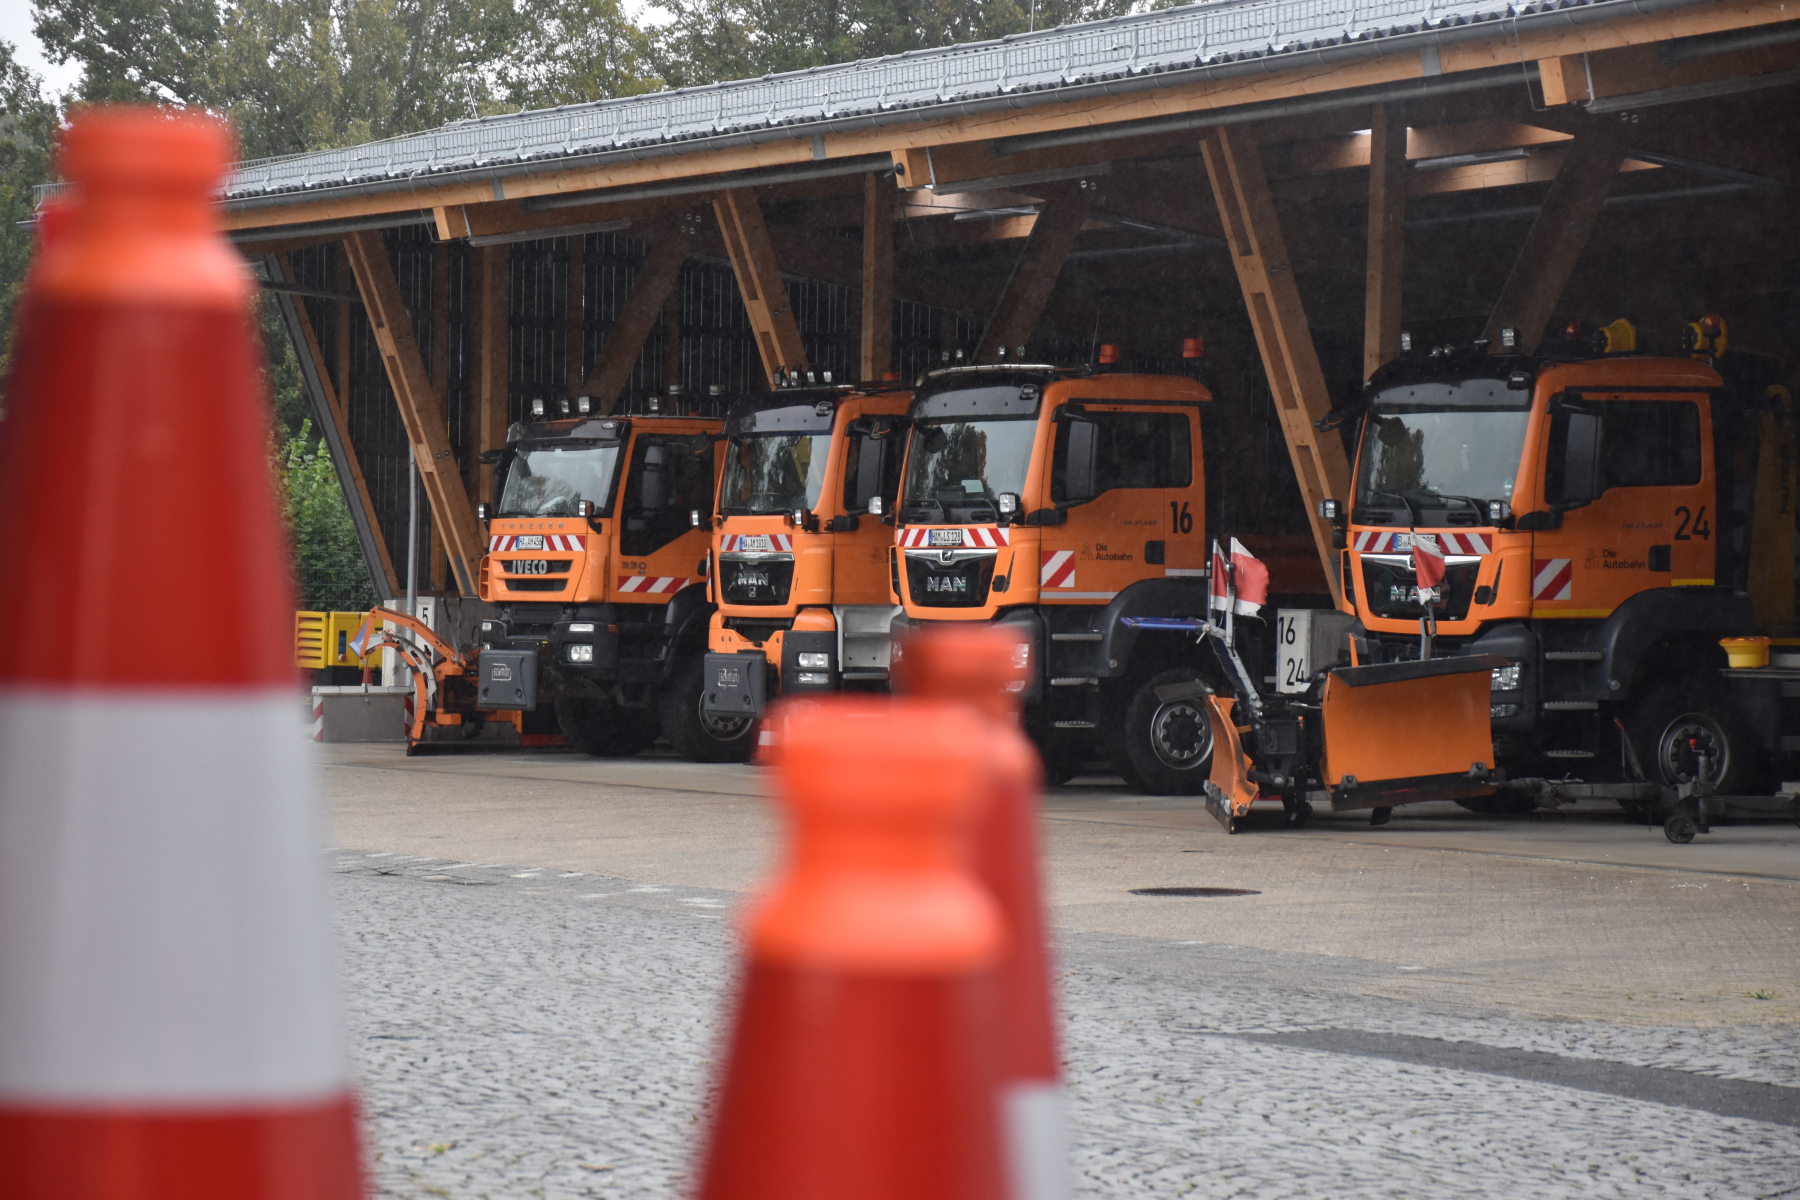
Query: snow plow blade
1229, 793
1400, 733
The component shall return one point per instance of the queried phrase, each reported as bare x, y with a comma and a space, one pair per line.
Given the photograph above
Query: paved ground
538, 957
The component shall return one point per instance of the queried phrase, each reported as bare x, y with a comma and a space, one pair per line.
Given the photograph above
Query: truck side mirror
1578, 482
1078, 473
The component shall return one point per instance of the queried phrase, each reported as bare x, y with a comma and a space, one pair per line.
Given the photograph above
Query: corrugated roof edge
1326, 51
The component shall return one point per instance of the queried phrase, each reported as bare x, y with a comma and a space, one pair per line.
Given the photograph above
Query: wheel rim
1681, 742
723, 729
1180, 735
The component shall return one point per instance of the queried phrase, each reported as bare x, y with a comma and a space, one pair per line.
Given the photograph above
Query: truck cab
1594, 513
595, 570
1064, 502
800, 562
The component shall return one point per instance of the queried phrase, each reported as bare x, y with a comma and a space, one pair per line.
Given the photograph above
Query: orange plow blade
1229, 793
1396, 733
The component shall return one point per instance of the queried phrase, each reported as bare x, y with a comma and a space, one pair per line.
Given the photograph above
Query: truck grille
536, 566
536, 585
961, 583
756, 580
1391, 588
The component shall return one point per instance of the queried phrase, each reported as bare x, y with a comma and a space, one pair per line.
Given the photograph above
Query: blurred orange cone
169, 1028
982, 665
860, 1062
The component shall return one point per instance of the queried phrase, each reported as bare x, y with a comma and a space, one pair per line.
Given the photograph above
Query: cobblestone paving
526, 1033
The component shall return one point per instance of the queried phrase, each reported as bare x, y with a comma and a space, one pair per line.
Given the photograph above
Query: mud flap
1229, 793
1399, 733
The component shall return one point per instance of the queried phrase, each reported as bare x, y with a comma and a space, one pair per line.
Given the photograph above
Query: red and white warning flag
1248, 576
1428, 561
169, 1024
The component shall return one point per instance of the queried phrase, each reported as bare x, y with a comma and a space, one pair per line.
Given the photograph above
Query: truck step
1572, 656
1568, 754
869, 676
1077, 637
1074, 681
1571, 705
1073, 725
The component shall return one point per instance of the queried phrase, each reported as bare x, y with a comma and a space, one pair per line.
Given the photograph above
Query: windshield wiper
942, 511
1411, 515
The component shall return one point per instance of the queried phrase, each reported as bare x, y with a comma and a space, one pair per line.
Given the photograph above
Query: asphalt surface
539, 956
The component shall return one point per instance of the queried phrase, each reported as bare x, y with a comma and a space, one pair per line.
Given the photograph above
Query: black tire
1166, 749
693, 734
1667, 718
605, 730
1680, 828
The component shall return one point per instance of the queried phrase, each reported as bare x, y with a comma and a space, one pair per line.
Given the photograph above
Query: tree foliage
330, 575
27, 124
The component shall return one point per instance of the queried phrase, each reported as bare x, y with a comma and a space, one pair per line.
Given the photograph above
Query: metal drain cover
1194, 891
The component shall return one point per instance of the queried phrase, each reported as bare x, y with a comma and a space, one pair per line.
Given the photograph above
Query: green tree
329, 572
578, 50
27, 125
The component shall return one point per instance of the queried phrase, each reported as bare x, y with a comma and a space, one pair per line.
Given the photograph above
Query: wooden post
1557, 237
492, 296
759, 281
879, 195
338, 437
1033, 277
1387, 236
1247, 210
669, 246
421, 411
440, 378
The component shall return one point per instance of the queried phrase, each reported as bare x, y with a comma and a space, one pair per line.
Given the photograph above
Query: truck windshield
957, 470
1450, 460
546, 479
775, 473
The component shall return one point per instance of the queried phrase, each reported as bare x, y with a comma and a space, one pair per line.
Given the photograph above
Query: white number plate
530, 541
945, 537
755, 542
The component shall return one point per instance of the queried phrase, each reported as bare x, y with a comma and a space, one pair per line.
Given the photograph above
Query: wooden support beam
338, 437
879, 199
421, 410
1033, 277
440, 381
650, 287
1278, 318
1387, 236
1561, 230
491, 334
759, 281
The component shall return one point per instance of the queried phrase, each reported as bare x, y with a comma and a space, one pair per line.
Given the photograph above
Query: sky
15, 27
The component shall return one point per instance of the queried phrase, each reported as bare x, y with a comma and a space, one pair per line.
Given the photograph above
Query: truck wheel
1670, 722
603, 729
1167, 748
699, 736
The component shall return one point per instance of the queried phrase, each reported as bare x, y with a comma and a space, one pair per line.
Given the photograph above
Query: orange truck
799, 560
1607, 519
595, 569
1066, 503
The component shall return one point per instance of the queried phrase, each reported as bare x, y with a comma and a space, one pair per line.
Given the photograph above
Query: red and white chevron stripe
564, 542
974, 537
734, 543
1369, 541
1552, 579
652, 585
318, 725
1056, 569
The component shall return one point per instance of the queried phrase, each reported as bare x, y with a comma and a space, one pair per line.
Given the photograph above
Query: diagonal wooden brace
759, 281
421, 407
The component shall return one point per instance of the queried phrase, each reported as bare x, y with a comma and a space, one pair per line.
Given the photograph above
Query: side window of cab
669, 478
1095, 452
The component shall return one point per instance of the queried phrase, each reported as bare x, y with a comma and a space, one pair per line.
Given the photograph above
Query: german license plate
945, 537
531, 541
756, 541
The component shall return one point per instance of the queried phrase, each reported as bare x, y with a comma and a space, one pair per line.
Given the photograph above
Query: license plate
531, 541
945, 537
756, 541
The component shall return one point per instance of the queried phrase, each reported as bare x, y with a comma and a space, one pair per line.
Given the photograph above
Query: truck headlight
813, 662
581, 652
813, 678
1506, 679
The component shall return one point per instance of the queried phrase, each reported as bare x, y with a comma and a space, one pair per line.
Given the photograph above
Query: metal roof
1157, 49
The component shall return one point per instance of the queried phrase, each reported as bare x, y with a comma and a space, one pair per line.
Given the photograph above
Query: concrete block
356, 714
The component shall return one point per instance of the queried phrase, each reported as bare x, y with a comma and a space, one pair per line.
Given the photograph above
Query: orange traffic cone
982, 665
169, 1028
860, 1064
